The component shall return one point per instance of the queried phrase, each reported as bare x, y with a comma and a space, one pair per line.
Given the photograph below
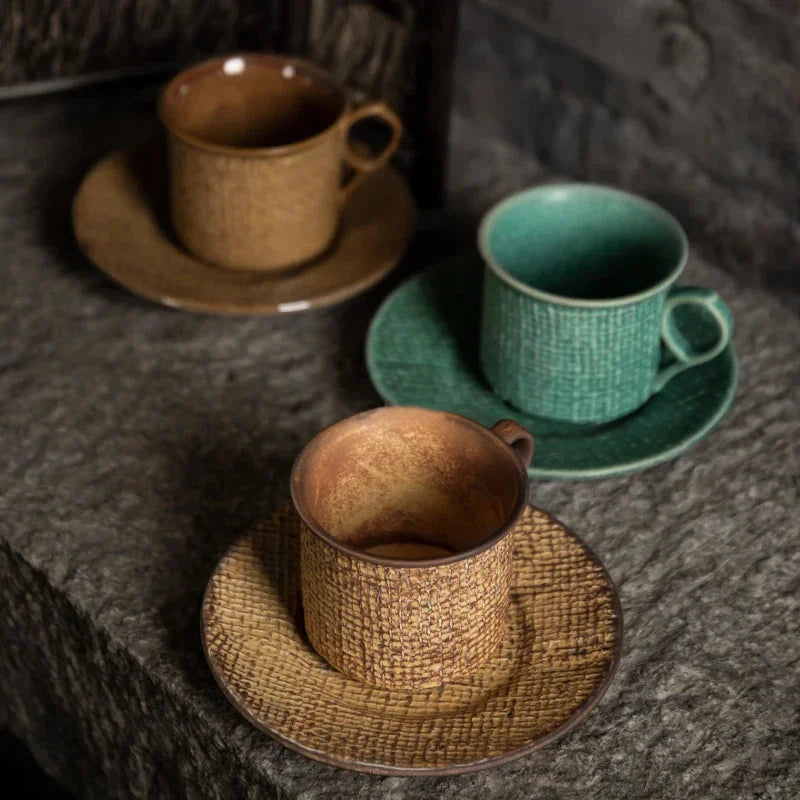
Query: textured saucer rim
372, 768
544, 473
123, 278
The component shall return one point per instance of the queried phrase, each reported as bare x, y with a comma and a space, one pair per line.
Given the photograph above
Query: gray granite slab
138, 442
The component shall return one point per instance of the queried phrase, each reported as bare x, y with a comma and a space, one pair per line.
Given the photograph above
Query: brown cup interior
408, 483
251, 101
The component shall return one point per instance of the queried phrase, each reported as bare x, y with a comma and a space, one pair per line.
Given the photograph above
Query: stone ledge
139, 442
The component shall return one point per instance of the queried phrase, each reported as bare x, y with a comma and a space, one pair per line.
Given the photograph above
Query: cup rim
491, 216
318, 530
201, 69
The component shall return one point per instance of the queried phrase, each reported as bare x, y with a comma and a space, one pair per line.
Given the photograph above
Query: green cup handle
686, 356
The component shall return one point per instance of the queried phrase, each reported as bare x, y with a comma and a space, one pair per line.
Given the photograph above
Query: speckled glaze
256, 146
581, 321
413, 481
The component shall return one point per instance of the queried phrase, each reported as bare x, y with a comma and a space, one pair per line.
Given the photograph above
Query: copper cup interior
408, 483
251, 101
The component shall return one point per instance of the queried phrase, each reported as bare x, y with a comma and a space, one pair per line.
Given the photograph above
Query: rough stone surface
138, 442
692, 102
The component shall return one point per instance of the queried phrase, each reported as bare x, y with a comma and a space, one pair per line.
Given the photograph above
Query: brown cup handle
363, 165
517, 438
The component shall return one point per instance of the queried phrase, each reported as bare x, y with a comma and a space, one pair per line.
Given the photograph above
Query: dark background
21, 776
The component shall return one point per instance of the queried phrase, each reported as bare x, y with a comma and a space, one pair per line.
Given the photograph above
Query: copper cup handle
363, 165
517, 438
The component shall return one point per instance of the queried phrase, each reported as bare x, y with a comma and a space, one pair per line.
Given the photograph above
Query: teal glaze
684, 349
577, 297
422, 349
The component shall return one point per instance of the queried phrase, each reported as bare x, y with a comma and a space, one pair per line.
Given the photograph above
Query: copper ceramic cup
256, 147
405, 542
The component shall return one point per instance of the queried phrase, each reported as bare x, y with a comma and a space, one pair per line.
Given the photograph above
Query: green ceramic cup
581, 319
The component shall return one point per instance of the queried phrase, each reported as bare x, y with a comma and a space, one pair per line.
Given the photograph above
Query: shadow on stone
19, 768
226, 489
91, 126
352, 378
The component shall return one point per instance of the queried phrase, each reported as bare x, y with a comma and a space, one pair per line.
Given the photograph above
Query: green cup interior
583, 242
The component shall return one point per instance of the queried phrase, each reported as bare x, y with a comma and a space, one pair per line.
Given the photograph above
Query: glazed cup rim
272, 60
318, 530
490, 219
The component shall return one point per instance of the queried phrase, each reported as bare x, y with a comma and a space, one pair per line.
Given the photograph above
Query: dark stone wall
52, 39
695, 103
401, 51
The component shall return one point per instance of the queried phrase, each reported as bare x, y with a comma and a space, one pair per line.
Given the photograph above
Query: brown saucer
558, 658
121, 224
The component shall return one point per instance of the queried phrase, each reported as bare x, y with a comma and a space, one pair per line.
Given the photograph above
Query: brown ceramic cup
256, 145
405, 542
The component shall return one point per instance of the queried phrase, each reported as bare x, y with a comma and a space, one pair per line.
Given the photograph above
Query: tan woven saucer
558, 658
122, 224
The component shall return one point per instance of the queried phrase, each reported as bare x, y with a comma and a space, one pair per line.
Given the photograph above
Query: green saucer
422, 350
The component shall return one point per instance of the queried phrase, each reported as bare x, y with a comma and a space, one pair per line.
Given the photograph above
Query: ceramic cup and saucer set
412, 614
272, 205
571, 324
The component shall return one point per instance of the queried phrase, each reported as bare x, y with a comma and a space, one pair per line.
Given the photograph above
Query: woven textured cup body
404, 627
580, 364
257, 211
